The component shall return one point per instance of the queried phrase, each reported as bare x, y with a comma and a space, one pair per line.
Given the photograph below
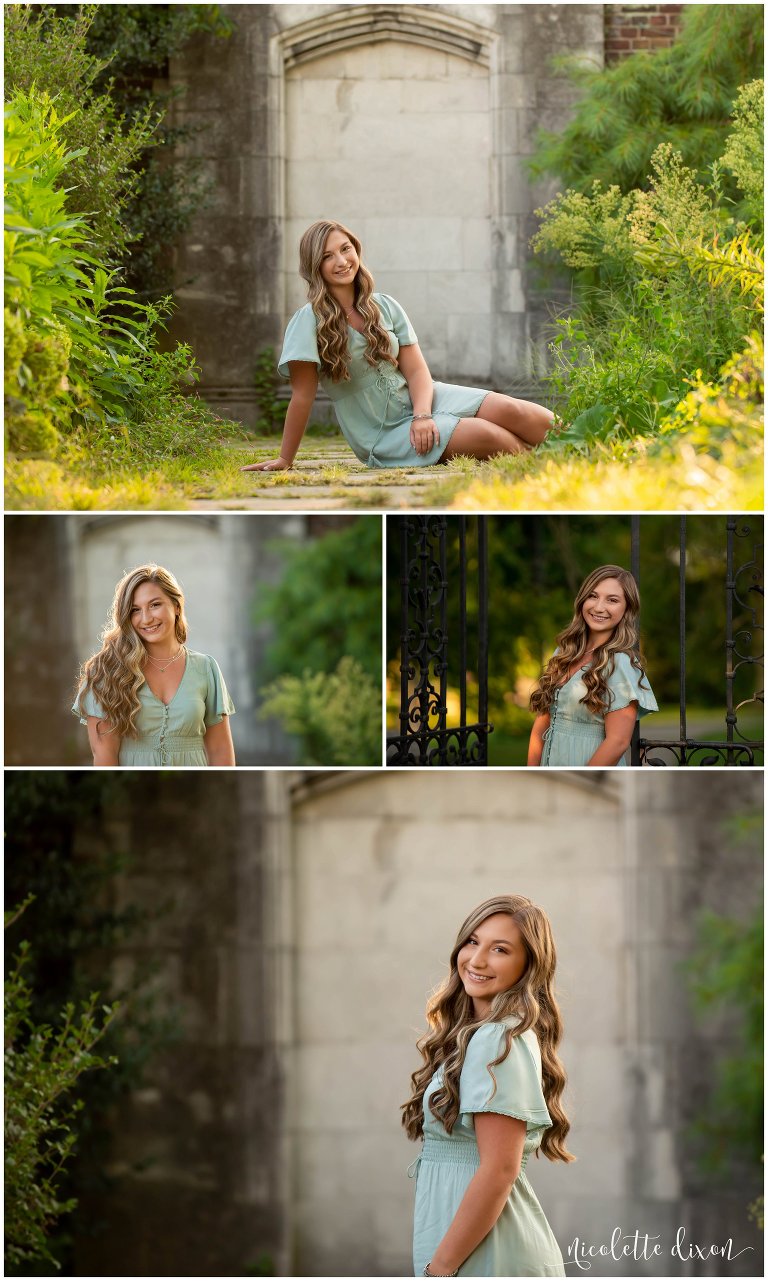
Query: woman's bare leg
479, 438
524, 418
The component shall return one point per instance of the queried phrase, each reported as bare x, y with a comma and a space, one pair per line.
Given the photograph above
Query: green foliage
43, 1063
75, 925
336, 715
268, 382
744, 151
671, 287
101, 64
138, 40
682, 96
82, 357
46, 57
328, 603
726, 975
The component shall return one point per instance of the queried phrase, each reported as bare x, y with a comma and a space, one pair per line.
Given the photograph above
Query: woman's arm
500, 1140
219, 747
619, 727
105, 744
413, 366
536, 744
303, 392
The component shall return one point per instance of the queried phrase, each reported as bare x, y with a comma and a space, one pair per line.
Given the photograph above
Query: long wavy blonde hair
332, 335
115, 674
453, 1023
573, 643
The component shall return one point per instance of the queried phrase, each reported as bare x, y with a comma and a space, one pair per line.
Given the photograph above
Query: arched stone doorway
388, 127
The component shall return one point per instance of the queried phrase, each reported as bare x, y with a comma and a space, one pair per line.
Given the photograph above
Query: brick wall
630, 28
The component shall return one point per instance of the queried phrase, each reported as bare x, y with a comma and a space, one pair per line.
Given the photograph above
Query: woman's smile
492, 960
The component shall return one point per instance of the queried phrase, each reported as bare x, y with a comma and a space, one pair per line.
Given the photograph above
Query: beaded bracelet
415, 417
427, 1273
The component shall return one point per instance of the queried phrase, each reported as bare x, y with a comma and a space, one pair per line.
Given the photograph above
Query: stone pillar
195, 1151
40, 654
226, 265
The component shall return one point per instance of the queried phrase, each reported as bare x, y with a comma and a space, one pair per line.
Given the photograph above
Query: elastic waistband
176, 741
452, 1152
576, 727
372, 378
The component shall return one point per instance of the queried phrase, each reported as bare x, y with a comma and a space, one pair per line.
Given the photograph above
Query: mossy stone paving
325, 476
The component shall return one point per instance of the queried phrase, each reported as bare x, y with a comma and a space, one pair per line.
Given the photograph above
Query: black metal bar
683, 553
482, 624
425, 737
730, 715
463, 620
442, 711
406, 672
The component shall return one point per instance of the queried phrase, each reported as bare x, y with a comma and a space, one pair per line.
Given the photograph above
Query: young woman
486, 1097
594, 687
362, 349
145, 697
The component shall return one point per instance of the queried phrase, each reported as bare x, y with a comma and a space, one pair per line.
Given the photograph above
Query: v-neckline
583, 668
157, 697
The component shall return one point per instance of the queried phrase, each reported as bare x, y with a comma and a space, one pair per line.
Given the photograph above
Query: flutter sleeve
86, 704
626, 684
512, 1087
218, 704
401, 326
300, 342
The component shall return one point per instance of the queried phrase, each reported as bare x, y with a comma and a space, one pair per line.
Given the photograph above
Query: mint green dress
521, 1242
373, 408
171, 733
574, 733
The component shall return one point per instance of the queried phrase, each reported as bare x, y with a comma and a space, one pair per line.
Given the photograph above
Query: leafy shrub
328, 602
335, 715
670, 288
82, 357
42, 1064
48, 57
268, 382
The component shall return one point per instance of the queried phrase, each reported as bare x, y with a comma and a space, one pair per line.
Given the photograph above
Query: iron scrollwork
425, 737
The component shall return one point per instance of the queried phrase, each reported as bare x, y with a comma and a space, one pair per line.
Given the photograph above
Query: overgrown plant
102, 64
669, 286
335, 715
82, 358
43, 1063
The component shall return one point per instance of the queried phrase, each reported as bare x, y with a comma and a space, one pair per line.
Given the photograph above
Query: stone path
325, 476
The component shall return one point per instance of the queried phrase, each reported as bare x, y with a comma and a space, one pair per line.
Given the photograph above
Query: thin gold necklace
158, 661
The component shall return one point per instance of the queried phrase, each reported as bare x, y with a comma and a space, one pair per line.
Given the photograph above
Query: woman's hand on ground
274, 464
424, 435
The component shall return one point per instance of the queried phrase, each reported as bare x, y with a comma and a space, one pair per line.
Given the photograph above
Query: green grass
677, 473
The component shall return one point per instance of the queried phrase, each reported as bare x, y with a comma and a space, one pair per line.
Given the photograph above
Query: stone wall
413, 122
385, 869
299, 922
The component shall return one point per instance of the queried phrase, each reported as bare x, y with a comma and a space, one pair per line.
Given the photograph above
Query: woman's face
153, 614
339, 263
604, 608
492, 960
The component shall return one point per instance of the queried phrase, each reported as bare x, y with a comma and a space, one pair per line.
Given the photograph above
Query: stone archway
384, 120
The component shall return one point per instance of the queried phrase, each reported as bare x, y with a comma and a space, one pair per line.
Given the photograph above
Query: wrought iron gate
428, 656
427, 651
743, 579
